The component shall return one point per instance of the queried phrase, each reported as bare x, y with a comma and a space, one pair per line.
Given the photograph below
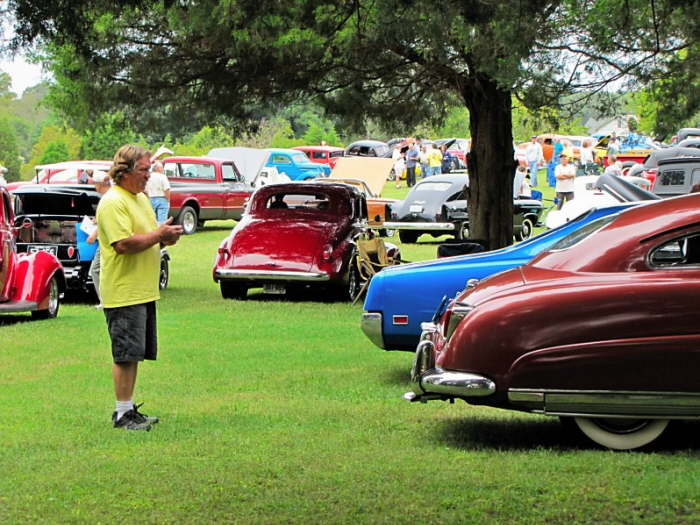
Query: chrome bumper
431, 382
422, 226
372, 328
270, 275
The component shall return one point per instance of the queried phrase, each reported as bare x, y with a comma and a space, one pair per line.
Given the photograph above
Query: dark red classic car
602, 330
294, 236
29, 282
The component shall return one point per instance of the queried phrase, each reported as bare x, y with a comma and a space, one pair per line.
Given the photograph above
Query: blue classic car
295, 164
400, 298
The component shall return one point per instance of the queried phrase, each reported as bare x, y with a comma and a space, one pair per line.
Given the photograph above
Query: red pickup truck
205, 188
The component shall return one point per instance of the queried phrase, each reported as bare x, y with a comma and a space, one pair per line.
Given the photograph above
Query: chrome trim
458, 312
430, 382
471, 283
270, 275
18, 306
427, 328
608, 403
423, 226
372, 327
462, 384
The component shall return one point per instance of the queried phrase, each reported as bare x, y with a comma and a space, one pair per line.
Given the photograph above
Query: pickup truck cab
295, 164
205, 188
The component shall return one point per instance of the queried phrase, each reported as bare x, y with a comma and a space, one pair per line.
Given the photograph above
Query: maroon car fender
641, 364
32, 277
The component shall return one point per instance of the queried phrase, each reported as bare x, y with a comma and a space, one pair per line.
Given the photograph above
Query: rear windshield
434, 186
583, 232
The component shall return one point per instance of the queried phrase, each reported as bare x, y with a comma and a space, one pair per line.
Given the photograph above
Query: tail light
327, 253
453, 316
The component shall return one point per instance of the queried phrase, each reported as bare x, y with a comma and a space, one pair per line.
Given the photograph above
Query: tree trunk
491, 164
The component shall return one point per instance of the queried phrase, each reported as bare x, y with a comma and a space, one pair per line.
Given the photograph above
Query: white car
587, 195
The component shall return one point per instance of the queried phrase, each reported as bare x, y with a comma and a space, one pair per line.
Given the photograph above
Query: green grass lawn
276, 411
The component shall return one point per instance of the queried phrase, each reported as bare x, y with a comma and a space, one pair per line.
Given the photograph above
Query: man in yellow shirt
130, 241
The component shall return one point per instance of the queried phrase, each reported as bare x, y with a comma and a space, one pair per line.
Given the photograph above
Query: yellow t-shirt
126, 279
435, 158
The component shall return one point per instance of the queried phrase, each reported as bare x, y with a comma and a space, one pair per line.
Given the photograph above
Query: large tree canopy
185, 62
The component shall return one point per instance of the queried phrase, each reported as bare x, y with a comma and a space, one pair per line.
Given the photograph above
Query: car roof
624, 235
194, 159
338, 189
318, 148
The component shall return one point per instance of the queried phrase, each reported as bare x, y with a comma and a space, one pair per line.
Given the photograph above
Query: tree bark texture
491, 164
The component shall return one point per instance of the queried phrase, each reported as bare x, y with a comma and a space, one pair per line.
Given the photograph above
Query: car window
280, 159
5, 209
170, 169
300, 158
339, 153
583, 232
229, 172
285, 201
380, 150
457, 196
355, 150
679, 252
318, 155
434, 186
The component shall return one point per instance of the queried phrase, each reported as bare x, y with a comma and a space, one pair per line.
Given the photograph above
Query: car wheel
54, 302
387, 233
525, 230
233, 290
455, 165
408, 236
621, 433
354, 285
462, 231
164, 276
392, 175
188, 220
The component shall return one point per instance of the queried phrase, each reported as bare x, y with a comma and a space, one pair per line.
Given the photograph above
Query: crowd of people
416, 158
557, 158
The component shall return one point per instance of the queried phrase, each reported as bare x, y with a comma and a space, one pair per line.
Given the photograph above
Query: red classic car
322, 154
31, 282
292, 236
602, 330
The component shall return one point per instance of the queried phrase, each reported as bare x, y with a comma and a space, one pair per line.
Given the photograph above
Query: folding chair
371, 257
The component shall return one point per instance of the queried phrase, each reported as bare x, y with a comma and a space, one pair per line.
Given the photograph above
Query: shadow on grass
550, 433
9, 320
399, 375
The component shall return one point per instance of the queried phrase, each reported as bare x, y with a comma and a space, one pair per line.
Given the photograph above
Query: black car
368, 148
438, 205
49, 217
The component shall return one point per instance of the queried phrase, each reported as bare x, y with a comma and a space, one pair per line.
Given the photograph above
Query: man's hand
168, 233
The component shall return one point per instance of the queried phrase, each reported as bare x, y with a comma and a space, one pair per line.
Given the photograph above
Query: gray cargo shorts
132, 330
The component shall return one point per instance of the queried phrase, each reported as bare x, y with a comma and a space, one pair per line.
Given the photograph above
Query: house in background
606, 125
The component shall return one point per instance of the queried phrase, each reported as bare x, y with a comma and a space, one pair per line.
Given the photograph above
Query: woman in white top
565, 173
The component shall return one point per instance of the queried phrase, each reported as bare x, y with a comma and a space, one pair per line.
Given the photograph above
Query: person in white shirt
587, 157
565, 173
158, 190
534, 157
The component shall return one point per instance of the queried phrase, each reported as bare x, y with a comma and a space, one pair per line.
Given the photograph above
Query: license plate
416, 208
33, 248
278, 289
